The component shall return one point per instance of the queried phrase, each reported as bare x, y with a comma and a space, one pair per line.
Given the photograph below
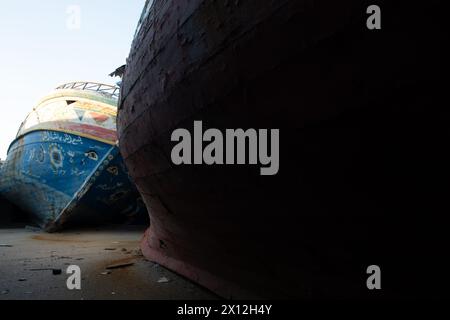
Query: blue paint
63, 179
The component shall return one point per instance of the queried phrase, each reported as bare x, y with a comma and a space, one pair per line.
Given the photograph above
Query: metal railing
106, 89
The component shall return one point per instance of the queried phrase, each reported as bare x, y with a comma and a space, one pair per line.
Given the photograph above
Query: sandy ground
22, 250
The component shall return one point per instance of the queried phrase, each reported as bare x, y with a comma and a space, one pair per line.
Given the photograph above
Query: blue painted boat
64, 167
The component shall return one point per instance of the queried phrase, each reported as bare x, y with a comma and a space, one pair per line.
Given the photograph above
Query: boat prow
64, 167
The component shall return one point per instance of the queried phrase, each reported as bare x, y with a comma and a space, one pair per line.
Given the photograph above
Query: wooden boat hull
342, 102
71, 188
65, 170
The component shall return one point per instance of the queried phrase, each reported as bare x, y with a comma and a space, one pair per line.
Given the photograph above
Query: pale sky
42, 46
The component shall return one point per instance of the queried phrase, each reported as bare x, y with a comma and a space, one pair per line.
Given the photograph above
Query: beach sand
23, 250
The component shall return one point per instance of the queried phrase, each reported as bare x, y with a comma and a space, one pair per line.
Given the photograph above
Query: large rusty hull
64, 180
338, 204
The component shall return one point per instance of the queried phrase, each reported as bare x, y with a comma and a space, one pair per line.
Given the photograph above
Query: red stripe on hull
101, 133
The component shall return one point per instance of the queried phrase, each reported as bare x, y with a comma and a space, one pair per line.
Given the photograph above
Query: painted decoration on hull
48, 167
64, 167
65, 179
73, 114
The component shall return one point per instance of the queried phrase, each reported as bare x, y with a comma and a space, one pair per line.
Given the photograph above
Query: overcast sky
47, 43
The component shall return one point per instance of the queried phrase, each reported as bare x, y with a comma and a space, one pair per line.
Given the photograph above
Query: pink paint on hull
150, 249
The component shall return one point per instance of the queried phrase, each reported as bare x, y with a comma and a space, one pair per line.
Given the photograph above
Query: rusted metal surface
302, 67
